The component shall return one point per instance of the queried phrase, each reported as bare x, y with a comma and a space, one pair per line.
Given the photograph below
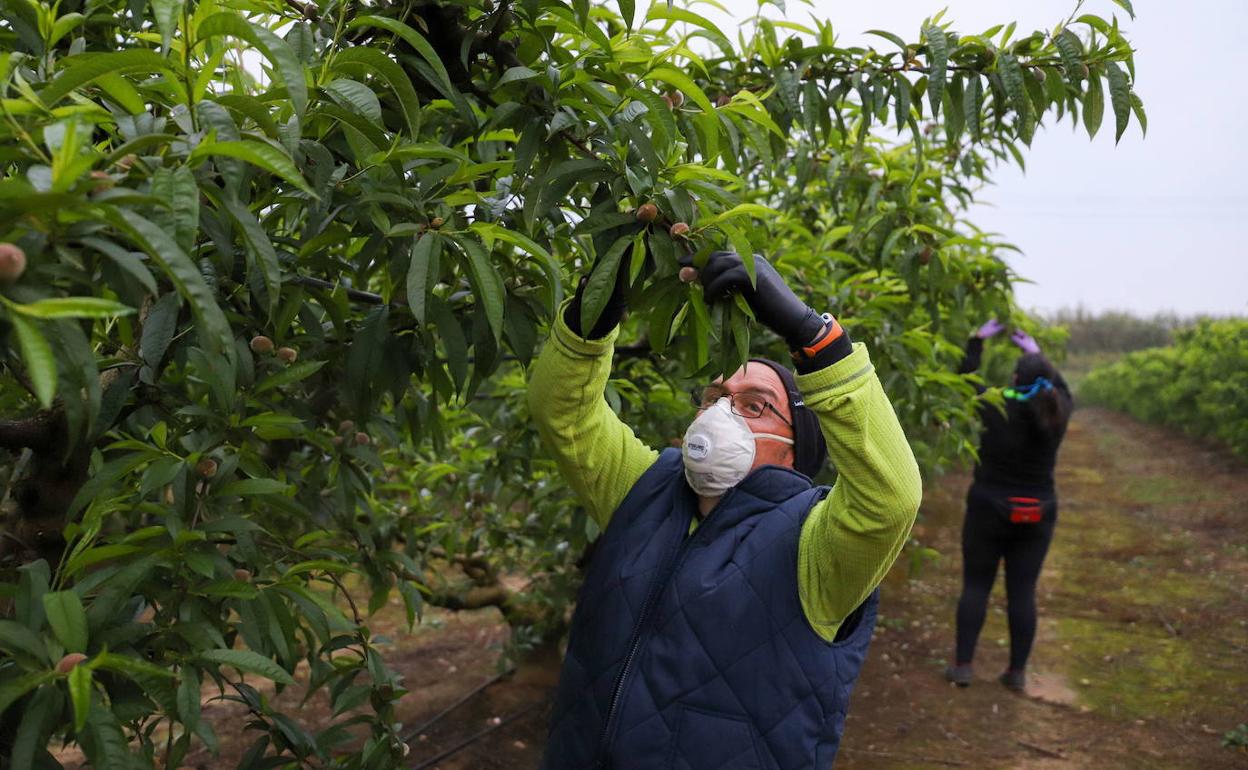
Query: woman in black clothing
1011, 507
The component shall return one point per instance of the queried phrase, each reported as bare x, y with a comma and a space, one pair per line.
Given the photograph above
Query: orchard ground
1141, 661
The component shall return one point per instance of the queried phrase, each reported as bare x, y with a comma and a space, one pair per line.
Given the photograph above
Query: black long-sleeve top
1016, 450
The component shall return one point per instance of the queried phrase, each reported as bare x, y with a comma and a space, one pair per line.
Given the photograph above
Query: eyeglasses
751, 406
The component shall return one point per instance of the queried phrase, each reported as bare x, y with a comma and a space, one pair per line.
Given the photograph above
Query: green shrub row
1199, 384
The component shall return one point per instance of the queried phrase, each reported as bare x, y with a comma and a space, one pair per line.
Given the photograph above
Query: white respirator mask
719, 449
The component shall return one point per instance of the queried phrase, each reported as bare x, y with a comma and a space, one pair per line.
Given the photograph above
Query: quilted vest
691, 651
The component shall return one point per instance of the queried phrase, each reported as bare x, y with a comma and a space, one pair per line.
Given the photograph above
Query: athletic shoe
1015, 681
959, 675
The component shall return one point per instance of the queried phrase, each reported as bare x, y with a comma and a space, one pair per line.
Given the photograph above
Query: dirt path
1141, 661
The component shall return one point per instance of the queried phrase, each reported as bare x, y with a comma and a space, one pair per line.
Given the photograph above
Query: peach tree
270, 272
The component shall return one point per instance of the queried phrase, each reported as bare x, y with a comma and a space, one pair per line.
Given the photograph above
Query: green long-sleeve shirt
850, 539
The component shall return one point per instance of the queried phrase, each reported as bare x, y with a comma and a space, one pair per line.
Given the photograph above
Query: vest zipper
604, 761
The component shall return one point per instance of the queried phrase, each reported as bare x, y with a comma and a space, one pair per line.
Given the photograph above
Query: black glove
773, 302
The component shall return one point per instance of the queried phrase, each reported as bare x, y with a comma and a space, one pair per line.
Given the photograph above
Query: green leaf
602, 282
441, 80
394, 76
188, 699
889, 36
178, 189
1093, 105
38, 720
1070, 48
514, 74
184, 274
740, 210
1137, 106
1119, 97
682, 82
972, 105
673, 14
253, 487
356, 96
16, 638
39, 359
421, 272
901, 101
80, 694
120, 91
103, 741
259, 249
550, 266
73, 307
277, 51
166, 13
487, 284
289, 375
13, 689
937, 60
86, 68
627, 11
1012, 78
68, 620
1126, 6
131, 667
159, 328
787, 86
249, 663
258, 154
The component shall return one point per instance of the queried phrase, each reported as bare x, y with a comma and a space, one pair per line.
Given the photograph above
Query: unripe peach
12, 262
289, 355
242, 575
436, 222
723, 100
679, 230
102, 181
206, 467
362, 438
69, 662
688, 274
677, 98
261, 344
647, 213
126, 161
346, 426
338, 440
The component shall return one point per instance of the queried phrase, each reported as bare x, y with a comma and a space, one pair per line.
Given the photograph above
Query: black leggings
989, 535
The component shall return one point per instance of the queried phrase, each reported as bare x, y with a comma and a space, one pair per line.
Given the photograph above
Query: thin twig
1040, 750
1165, 623
352, 294
355, 611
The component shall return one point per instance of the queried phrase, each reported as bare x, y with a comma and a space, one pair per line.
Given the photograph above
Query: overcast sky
1148, 225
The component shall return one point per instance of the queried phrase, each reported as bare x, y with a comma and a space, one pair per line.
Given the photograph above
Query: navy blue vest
692, 651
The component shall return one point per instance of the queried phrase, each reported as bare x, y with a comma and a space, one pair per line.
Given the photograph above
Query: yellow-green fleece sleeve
852, 537
598, 455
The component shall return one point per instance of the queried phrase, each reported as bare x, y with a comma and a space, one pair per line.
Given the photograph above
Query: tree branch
38, 433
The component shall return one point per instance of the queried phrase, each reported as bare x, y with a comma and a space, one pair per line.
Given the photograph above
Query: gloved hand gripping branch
815, 340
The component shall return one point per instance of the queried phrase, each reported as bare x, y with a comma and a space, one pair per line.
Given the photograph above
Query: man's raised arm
597, 454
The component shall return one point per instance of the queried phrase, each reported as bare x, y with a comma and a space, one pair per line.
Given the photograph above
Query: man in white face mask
729, 603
